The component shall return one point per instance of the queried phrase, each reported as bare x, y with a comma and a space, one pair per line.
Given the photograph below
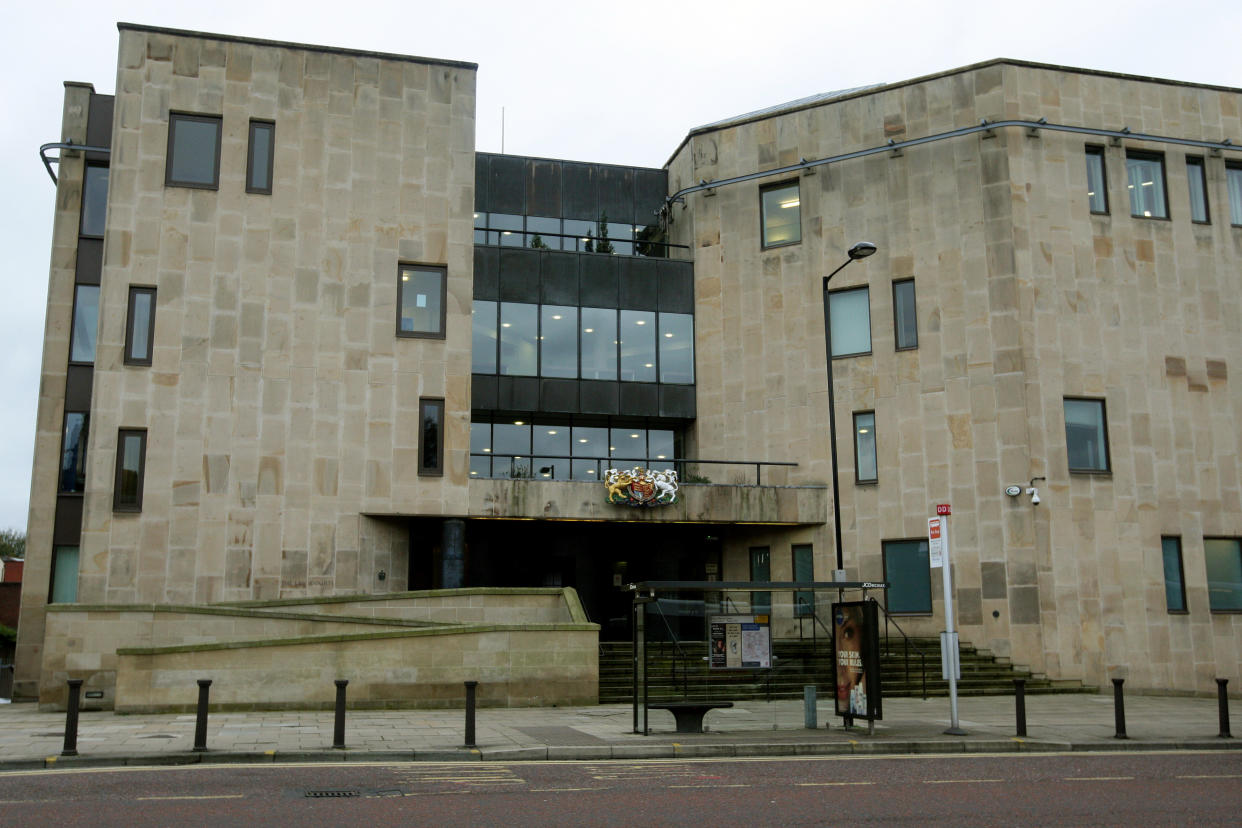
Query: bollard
1222, 701
1019, 704
470, 687
338, 730
1119, 708
808, 707
200, 726
71, 719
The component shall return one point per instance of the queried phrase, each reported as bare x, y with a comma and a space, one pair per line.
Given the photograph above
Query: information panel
740, 642
856, 647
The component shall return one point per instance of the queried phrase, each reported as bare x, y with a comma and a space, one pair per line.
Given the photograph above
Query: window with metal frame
905, 316
73, 452
131, 461
85, 324
1233, 184
1196, 183
193, 151
1145, 182
1174, 582
907, 569
781, 208
140, 326
865, 470
431, 436
803, 571
1223, 559
420, 301
94, 201
1097, 181
260, 156
1086, 435
761, 572
64, 586
850, 321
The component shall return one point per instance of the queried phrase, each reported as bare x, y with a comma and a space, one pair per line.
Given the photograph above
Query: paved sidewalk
30, 739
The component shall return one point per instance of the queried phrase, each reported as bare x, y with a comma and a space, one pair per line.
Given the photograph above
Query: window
64, 575
420, 301
907, 569
557, 449
1196, 181
850, 321
638, 346
518, 336
1146, 184
1086, 435
558, 341
676, 347
131, 461
760, 571
193, 151
259, 157
1224, 573
599, 344
483, 337
1097, 183
140, 330
1233, 180
804, 571
782, 215
94, 201
431, 436
864, 447
73, 452
85, 322
1174, 583
905, 319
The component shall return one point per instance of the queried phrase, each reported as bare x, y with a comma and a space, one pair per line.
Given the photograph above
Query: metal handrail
516, 473
906, 645
680, 656
527, 234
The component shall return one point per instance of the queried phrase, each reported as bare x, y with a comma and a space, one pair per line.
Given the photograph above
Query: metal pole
71, 719
832, 421
1119, 708
1019, 702
470, 688
338, 730
810, 719
948, 642
200, 724
1222, 701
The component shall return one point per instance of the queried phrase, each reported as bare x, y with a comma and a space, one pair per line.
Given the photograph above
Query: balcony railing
485, 465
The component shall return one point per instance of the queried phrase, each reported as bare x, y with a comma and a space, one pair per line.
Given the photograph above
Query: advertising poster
856, 653
739, 642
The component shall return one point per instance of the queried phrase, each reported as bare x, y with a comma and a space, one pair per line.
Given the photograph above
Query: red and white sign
935, 543
943, 509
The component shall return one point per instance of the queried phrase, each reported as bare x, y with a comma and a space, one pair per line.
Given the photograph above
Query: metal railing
907, 644
576, 243
544, 467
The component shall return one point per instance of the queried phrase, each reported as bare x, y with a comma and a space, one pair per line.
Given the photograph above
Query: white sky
617, 83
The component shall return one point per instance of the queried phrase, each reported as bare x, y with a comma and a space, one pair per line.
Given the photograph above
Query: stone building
310, 358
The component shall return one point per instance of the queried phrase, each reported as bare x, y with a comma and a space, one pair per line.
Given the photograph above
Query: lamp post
859, 251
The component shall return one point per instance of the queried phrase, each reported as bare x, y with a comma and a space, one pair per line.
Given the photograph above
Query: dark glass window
511, 449
140, 329
480, 444
782, 214
621, 237
519, 329
905, 317
850, 312
558, 341
804, 571
506, 230
260, 156
543, 233
73, 451
864, 447
1145, 172
420, 308
94, 201
1086, 435
559, 450
64, 575
483, 337
1196, 181
907, 568
580, 234
431, 436
85, 323
131, 459
599, 344
1174, 583
638, 346
480, 228
1233, 183
761, 572
551, 446
589, 442
628, 447
193, 151
676, 347
1223, 557
1097, 183
660, 446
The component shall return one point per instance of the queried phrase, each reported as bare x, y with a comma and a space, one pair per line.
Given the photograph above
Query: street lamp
859, 251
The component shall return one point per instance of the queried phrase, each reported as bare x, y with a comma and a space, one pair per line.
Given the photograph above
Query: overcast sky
618, 83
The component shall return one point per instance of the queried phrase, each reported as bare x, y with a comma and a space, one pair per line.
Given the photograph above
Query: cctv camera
1034, 493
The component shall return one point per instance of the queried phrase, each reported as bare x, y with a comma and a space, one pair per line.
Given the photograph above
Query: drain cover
331, 794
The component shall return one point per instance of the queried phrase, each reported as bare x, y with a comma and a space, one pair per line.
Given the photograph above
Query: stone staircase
678, 671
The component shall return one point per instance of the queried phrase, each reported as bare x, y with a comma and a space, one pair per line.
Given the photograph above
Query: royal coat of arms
641, 487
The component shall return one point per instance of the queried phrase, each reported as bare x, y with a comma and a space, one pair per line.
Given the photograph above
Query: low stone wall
477, 605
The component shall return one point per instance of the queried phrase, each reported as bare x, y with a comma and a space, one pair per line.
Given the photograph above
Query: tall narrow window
1097, 183
761, 572
420, 302
1233, 180
638, 346
905, 317
1196, 181
850, 318
85, 323
94, 201
1086, 435
73, 452
804, 571
193, 151
483, 337
259, 157
558, 341
64, 575
676, 347
907, 568
599, 344
864, 447
1145, 171
519, 331
131, 460
140, 330
1174, 583
1223, 557
480, 449
782, 215
431, 436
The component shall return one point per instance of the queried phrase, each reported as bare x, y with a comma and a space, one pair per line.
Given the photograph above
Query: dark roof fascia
305, 47
568, 161
874, 90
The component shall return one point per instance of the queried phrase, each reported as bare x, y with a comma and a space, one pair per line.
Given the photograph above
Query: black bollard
1019, 704
1119, 708
338, 732
1222, 701
470, 688
71, 719
200, 726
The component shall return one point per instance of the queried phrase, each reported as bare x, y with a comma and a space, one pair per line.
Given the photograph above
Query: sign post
950, 662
